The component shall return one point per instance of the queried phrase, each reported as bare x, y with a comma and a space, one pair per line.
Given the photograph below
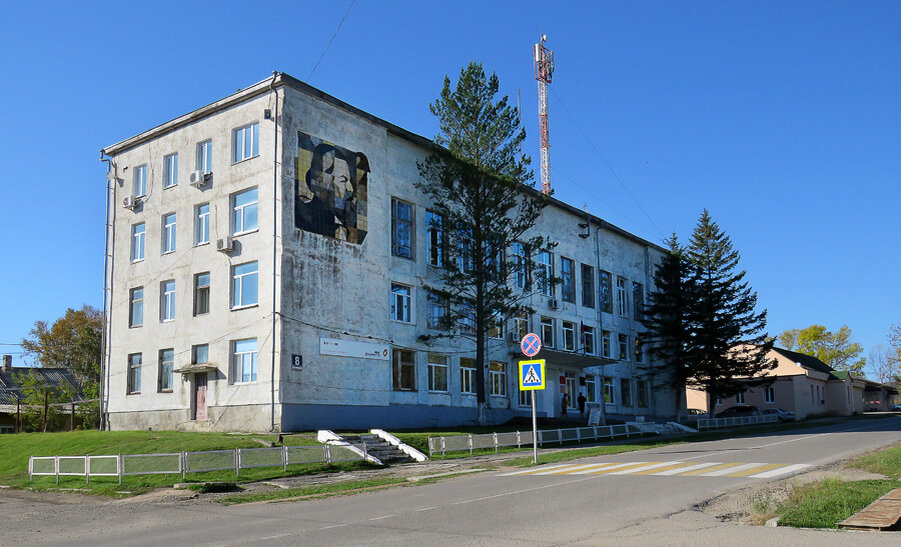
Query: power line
332, 40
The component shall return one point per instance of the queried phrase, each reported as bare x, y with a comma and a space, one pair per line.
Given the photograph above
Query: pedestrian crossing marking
668, 469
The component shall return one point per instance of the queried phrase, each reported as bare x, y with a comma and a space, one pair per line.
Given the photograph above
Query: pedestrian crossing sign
531, 375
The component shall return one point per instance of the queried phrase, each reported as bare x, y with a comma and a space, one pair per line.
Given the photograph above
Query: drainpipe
597, 252
275, 185
110, 231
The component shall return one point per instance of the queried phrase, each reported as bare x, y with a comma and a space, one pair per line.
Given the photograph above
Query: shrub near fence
457, 443
182, 463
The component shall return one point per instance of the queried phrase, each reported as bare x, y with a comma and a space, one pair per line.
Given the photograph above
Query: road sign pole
534, 431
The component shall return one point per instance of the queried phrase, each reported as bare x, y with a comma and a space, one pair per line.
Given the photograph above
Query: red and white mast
544, 69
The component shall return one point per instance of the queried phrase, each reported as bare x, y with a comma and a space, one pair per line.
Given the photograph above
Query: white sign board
594, 414
351, 348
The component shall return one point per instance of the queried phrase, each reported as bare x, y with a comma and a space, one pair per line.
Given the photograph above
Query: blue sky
781, 118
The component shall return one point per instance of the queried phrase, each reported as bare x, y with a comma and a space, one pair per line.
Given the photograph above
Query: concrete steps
379, 448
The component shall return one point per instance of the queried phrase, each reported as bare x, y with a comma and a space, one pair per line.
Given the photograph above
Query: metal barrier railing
716, 423
182, 463
456, 443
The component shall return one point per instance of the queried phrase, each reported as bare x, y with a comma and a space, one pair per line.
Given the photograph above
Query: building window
521, 327
205, 156
588, 340
465, 261
139, 181
202, 224
545, 273
609, 392
625, 391
606, 340
467, 319
245, 283
812, 396
740, 398
569, 336
401, 303
769, 394
167, 360
246, 143
642, 393
495, 327
497, 378
568, 280
170, 171
520, 261
524, 398
435, 226
437, 372
136, 309
547, 331
401, 229
718, 402
134, 373
167, 300
244, 212
637, 300
587, 286
200, 354
244, 360
591, 386
623, 340
404, 372
467, 376
169, 233
622, 297
606, 290
138, 232
201, 293
436, 311
639, 350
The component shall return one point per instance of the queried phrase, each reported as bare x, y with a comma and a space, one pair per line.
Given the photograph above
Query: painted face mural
331, 185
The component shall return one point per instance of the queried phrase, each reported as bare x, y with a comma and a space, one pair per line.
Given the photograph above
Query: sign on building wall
351, 348
331, 189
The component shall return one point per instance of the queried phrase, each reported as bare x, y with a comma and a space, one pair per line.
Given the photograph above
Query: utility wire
332, 40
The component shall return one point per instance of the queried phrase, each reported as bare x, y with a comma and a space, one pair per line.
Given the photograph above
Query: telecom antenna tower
544, 69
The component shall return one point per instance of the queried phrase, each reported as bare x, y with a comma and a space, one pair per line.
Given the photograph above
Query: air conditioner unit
199, 179
513, 337
225, 244
552, 303
130, 202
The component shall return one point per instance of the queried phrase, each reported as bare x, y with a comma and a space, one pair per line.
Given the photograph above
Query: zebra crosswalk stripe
664, 469
780, 471
681, 469
733, 469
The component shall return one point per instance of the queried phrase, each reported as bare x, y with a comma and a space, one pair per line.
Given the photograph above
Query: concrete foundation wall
312, 417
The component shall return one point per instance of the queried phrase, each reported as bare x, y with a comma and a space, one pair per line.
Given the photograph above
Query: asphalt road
643, 497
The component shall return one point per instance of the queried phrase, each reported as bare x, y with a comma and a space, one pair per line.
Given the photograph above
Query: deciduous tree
833, 348
72, 342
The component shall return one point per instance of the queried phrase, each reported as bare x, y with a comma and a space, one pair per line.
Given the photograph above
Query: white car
783, 415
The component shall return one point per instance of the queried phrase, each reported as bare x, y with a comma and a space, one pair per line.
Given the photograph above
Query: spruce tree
483, 202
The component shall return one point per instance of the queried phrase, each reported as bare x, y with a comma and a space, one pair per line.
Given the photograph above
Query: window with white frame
167, 300
202, 224
139, 181
437, 372
401, 228
607, 343
605, 280
497, 378
136, 307
467, 317
495, 327
435, 227
625, 391
587, 286
545, 273
740, 398
622, 297
245, 211
138, 234
521, 326
642, 393
200, 354
167, 362
170, 170
246, 142
436, 311
639, 350
769, 394
569, 336
567, 280
244, 361
524, 398
588, 340
169, 233
520, 261
205, 157
467, 376
134, 373
623, 340
201, 293
591, 387
548, 327
245, 284
404, 370
465, 249
401, 303
609, 391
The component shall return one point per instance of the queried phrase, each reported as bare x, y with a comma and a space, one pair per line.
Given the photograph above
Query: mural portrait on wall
331, 189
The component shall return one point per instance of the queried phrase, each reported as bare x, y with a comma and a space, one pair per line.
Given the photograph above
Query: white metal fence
716, 423
175, 463
456, 443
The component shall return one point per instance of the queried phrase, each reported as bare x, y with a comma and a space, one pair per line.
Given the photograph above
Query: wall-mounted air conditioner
225, 244
131, 202
199, 179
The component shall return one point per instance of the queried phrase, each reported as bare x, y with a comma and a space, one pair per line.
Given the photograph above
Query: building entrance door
571, 389
199, 401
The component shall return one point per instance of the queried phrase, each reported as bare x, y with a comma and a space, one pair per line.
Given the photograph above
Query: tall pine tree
483, 202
